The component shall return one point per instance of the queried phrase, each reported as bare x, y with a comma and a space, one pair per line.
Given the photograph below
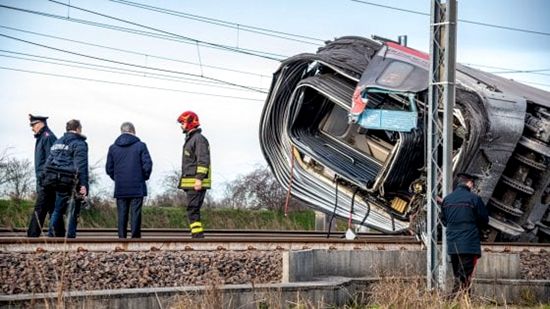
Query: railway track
215, 234
15, 240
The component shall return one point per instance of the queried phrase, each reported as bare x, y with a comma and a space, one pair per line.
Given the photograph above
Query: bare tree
97, 192
19, 176
171, 195
4, 158
258, 189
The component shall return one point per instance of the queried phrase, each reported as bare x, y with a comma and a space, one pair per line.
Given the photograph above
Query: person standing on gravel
129, 165
464, 215
45, 202
195, 170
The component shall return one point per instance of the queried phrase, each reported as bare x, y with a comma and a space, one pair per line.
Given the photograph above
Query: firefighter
195, 170
464, 215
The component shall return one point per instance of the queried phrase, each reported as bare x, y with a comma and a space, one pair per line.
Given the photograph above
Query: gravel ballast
41, 272
52, 271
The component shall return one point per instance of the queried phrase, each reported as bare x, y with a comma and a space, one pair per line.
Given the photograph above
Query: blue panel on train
388, 120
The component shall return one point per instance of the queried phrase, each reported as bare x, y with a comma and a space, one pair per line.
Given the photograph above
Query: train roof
508, 86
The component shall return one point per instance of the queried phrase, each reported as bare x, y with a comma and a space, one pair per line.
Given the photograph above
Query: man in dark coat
195, 170
45, 204
464, 215
129, 165
71, 152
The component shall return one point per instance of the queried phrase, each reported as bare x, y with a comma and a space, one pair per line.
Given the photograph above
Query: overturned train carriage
344, 130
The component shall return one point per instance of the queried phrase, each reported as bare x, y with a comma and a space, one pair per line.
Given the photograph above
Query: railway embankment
248, 272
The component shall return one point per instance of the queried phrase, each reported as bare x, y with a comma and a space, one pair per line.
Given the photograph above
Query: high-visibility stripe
202, 170
196, 227
190, 182
197, 230
195, 224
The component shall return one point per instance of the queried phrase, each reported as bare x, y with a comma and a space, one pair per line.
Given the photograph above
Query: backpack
59, 173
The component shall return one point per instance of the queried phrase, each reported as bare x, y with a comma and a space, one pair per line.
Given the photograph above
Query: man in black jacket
195, 170
45, 203
129, 165
71, 152
464, 215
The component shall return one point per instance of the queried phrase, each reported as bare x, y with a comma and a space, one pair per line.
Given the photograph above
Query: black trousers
194, 204
45, 203
124, 205
463, 268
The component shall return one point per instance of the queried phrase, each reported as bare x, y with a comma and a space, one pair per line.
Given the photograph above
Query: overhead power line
223, 23
128, 84
135, 53
510, 71
534, 83
179, 39
127, 64
234, 49
460, 20
109, 69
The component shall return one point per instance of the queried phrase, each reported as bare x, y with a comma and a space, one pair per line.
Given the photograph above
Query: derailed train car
343, 130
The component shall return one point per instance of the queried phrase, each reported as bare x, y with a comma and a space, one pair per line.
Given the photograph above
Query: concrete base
333, 291
313, 294
307, 264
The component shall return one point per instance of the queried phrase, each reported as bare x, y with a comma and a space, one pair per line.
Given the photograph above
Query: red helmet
189, 119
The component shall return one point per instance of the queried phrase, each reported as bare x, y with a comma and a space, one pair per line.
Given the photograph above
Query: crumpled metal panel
500, 126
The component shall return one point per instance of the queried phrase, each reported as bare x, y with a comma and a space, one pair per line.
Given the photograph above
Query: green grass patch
104, 215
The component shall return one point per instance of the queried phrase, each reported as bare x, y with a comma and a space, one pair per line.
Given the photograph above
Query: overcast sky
151, 74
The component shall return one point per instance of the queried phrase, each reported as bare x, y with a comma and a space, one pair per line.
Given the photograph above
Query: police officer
464, 215
45, 203
195, 170
71, 151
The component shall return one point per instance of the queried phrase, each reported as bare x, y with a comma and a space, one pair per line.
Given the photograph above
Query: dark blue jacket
129, 165
464, 215
71, 151
44, 141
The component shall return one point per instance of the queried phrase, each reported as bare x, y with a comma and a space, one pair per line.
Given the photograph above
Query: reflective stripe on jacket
195, 163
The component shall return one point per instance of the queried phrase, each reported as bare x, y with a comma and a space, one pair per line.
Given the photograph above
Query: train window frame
385, 119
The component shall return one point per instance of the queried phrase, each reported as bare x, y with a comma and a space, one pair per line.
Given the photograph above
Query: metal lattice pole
440, 131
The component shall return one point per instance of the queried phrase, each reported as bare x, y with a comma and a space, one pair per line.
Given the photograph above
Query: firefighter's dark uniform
464, 215
195, 164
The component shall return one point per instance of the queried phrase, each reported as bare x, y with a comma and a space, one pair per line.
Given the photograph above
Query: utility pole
440, 131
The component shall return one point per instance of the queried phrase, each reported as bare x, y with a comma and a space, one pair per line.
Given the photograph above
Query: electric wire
126, 63
534, 83
194, 41
223, 23
510, 71
109, 69
128, 84
172, 38
460, 20
134, 52
250, 52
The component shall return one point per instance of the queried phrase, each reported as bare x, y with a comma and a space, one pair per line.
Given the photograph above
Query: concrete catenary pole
440, 131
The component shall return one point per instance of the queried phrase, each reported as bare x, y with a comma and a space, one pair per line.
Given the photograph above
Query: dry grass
412, 293
389, 293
